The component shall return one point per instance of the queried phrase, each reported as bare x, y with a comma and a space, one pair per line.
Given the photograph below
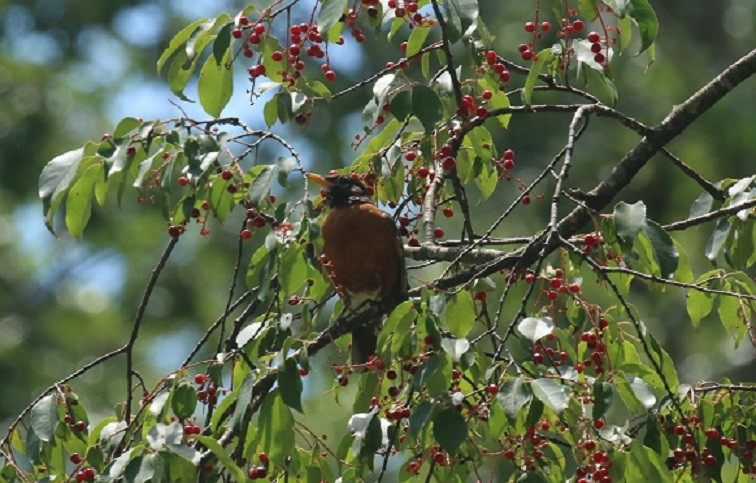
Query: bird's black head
341, 190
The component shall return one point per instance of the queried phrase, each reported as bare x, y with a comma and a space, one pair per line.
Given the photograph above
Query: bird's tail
364, 341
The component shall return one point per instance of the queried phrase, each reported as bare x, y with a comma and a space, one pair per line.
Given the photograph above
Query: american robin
362, 253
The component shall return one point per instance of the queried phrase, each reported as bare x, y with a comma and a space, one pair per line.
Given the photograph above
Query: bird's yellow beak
319, 180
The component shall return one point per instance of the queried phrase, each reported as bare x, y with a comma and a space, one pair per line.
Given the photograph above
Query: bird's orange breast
361, 243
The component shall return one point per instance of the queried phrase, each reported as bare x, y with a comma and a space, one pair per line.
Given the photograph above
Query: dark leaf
427, 106
449, 429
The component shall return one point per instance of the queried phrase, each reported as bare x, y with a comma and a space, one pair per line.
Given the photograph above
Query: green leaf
551, 393
79, 201
125, 126
642, 391
702, 205
683, 273
420, 416
222, 43
533, 328
290, 384
699, 305
330, 13
588, 9
390, 327
374, 107
648, 25
243, 400
262, 180
275, 434
647, 466
416, 40
717, 239
221, 201
177, 41
184, 401
294, 270
513, 395
629, 219
183, 66
426, 106
625, 390
401, 105
664, 248
55, 179
499, 101
460, 314
44, 417
449, 429
665, 362
224, 458
602, 398
729, 311
273, 68
216, 83
460, 16
544, 56
270, 111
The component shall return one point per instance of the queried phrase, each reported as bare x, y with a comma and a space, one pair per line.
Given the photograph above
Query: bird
362, 255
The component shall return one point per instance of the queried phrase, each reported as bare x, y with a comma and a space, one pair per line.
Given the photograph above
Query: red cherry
530, 27
413, 242
529, 278
545, 26
330, 76
551, 295
578, 25
226, 174
183, 181
277, 56
439, 233
525, 200
449, 163
76, 458
448, 212
593, 37
492, 389
236, 33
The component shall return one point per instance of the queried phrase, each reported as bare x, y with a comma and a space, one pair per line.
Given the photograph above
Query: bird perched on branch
362, 255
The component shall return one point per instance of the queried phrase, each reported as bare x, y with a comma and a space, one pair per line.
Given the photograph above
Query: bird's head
341, 190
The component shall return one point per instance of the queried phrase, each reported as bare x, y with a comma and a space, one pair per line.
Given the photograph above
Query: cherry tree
520, 357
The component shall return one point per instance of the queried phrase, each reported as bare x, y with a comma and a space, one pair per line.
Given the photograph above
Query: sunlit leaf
629, 219
514, 394
216, 83
44, 417
460, 314
551, 393
533, 328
